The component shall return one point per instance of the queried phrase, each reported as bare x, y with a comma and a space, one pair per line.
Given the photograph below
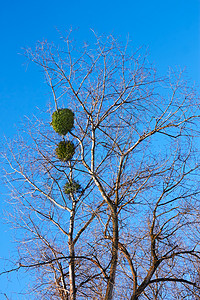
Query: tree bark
115, 240
72, 255
72, 274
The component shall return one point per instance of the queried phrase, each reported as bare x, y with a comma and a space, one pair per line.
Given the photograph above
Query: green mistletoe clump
65, 150
72, 187
62, 121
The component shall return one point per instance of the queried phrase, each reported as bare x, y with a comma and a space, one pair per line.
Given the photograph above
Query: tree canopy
107, 189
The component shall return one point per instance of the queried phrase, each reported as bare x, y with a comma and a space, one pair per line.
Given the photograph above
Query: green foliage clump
72, 187
62, 121
65, 150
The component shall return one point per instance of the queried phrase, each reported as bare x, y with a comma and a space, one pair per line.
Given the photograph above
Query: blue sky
170, 29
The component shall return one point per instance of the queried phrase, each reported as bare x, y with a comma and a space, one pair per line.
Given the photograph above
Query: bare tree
129, 227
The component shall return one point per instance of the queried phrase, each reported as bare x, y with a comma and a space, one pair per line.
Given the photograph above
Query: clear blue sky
170, 29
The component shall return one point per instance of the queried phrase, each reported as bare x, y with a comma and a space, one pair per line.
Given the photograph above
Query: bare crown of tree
107, 188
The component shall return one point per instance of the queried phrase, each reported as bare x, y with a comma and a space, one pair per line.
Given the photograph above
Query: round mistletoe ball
72, 187
62, 121
65, 150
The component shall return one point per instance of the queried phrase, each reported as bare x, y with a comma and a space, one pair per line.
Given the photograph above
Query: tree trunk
72, 255
111, 282
134, 297
72, 274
